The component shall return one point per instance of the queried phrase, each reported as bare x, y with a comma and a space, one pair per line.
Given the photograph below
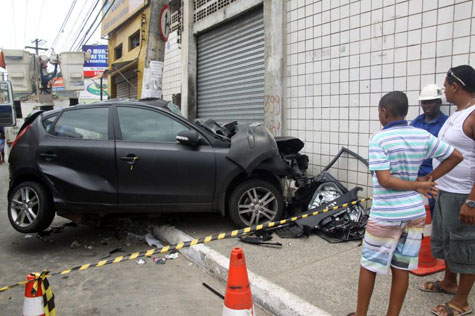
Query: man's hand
467, 214
424, 178
427, 188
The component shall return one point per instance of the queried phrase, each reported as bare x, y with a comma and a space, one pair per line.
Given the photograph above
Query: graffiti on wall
273, 114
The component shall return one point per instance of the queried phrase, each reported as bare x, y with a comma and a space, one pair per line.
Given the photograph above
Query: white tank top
461, 178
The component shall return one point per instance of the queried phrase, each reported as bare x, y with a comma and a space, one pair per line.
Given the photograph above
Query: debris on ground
75, 245
140, 261
260, 238
112, 252
322, 192
152, 241
158, 260
40, 237
172, 256
105, 240
27, 236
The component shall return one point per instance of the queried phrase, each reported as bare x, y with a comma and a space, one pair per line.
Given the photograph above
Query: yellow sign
120, 12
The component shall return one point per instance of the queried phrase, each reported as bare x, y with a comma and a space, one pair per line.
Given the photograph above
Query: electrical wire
74, 24
61, 29
81, 26
39, 18
78, 47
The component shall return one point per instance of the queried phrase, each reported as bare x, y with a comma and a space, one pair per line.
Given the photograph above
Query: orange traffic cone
238, 298
427, 263
33, 303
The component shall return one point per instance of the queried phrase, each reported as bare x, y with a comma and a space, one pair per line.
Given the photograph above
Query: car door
153, 169
76, 153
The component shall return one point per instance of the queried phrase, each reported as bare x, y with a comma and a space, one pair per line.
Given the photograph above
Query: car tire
30, 208
255, 202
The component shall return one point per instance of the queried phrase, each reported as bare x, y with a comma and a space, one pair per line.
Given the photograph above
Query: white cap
431, 92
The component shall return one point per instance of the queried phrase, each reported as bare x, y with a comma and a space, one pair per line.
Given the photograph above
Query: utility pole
36, 47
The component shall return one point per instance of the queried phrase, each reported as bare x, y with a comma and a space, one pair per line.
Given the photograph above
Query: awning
121, 66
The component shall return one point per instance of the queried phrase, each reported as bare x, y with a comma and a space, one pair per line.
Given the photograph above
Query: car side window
90, 123
138, 124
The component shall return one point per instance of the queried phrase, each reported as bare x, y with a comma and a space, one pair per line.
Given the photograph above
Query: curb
269, 296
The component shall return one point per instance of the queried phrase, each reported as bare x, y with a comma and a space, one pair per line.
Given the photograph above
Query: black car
144, 157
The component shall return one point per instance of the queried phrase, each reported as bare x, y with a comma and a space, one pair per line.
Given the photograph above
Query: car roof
149, 101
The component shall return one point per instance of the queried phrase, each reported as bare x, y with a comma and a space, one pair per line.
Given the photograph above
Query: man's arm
445, 166
425, 188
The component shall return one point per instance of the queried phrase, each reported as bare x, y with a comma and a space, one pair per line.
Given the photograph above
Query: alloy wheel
257, 205
24, 206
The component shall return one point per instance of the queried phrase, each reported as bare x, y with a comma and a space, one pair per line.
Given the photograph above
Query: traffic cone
427, 263
238, 298
33, 303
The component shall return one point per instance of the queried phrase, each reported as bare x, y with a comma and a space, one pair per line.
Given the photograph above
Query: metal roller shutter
123, 89
230, 75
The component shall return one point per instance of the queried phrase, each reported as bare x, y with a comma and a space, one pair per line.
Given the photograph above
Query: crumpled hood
251, 145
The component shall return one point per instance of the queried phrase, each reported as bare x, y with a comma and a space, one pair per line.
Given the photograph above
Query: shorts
2, 144
392, 244
452, 240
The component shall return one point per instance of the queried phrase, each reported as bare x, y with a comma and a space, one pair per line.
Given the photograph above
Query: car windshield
174, 108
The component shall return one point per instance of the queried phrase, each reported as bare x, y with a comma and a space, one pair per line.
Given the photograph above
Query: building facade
319, 66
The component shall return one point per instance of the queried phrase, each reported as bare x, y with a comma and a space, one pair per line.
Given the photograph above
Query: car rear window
89, 123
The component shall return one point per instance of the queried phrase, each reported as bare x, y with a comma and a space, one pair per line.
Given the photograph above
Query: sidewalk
324, 275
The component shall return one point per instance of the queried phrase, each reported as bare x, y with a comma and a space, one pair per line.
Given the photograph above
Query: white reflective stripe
33, 306
428, 230
242, 312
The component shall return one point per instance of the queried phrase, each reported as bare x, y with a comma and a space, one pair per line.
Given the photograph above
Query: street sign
165, 21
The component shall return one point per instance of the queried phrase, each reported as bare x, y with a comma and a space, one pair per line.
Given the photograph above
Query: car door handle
48, 156
130, 159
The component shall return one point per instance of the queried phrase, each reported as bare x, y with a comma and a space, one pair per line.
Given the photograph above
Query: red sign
92, 73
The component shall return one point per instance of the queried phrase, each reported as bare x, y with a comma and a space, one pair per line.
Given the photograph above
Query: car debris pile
321, 192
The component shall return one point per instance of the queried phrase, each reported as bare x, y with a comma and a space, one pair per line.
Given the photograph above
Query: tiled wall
172, 68
343, 55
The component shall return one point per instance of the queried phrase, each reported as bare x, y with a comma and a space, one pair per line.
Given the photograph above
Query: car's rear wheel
255, 202
30, 208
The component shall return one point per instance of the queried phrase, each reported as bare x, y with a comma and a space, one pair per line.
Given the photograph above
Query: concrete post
155, 44
188, 57
275, 65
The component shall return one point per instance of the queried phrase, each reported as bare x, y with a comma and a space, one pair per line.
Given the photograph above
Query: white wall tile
446, 15
461, 45
444, 31
463, 10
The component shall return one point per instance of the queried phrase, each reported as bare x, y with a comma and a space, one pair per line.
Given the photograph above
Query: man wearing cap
431, 120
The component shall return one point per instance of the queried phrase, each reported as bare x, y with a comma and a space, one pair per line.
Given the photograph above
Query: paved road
174, 288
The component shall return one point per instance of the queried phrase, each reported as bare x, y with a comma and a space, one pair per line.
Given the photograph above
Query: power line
61, 29
103, 17
84, 24
39, 18
74, 24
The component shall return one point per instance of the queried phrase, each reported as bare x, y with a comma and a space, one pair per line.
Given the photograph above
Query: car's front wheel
30, 208
255, 202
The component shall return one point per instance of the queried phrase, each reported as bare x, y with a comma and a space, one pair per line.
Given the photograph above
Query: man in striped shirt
394, 230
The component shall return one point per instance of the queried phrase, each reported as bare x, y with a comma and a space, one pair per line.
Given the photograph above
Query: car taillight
19, 136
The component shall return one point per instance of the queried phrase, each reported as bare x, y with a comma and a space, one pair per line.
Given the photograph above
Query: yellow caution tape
186, 244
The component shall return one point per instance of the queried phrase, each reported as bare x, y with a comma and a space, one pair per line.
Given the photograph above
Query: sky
22, 21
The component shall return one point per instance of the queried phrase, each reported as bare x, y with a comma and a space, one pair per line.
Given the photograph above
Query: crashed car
144, 157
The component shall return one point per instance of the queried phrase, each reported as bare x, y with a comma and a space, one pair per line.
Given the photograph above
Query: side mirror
7, 107
188, 137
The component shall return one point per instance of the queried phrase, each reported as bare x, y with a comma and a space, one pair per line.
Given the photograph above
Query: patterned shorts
392, 243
